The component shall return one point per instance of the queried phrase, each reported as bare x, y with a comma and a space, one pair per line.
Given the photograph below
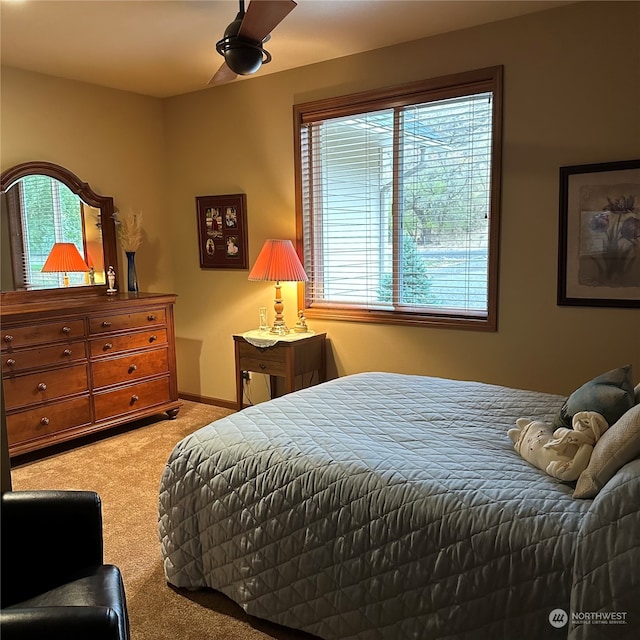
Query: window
398, 199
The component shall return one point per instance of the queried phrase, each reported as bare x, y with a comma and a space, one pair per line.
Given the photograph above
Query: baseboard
217, 402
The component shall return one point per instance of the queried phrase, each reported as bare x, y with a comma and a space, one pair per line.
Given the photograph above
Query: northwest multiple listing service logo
558, 618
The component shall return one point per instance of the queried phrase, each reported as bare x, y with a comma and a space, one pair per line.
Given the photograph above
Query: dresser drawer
123, 321
105, 346
131, 398
271, 360
263, 365
20, 391
23, 336
43, 356
49, 419
275, 353
130, 367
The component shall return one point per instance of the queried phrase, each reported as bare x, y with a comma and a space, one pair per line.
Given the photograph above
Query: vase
132, 278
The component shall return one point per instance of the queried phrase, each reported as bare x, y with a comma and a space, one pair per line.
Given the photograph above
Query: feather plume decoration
130, 230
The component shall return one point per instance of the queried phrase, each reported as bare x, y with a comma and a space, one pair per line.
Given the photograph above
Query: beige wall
571, 96
114, 140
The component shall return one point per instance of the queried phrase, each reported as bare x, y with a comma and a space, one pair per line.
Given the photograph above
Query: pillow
637, 393
610, 394
619, 444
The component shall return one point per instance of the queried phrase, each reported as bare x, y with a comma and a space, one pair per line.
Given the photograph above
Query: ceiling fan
241, 45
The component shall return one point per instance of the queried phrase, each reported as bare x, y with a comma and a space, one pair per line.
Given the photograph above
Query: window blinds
396, 206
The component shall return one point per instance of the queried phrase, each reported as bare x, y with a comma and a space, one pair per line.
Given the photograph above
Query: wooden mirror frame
82, 189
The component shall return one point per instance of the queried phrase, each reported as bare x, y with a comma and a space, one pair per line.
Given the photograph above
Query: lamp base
279, 328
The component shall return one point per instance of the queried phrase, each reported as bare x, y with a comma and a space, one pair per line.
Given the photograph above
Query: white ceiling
166, 47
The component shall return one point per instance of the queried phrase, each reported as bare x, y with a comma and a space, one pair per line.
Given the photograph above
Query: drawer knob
153, 338
107, 346
132, 368
106, 323
8, 338
44, 421
151, 317
66, 330
11, 362
66, 352
42, 386
262, 366
134, 398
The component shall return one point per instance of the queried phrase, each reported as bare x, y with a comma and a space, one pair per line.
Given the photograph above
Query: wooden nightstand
293, 355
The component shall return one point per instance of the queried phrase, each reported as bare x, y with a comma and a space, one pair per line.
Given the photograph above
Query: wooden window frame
489, 79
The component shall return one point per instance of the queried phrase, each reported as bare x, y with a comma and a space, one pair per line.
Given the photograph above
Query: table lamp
64, 258
278, 261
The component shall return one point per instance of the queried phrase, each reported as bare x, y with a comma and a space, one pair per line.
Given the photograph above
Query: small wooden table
293, 355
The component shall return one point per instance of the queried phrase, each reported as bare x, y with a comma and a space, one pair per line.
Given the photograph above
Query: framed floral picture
222, 231
599, 239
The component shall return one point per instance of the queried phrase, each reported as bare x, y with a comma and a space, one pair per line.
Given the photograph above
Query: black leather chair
54, 582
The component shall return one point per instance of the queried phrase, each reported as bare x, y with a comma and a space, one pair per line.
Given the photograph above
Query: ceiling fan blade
263, 16
223, 74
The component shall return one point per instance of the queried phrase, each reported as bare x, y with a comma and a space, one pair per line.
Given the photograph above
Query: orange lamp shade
64, 257
278, 261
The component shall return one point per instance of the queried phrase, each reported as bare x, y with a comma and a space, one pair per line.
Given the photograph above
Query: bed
394, 506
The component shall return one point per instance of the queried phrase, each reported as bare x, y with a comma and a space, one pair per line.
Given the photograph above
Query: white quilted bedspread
375, 506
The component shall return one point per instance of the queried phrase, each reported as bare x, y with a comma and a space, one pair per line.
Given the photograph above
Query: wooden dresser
74, 366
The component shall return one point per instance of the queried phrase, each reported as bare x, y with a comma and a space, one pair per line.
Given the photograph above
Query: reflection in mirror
53, 230
42, 213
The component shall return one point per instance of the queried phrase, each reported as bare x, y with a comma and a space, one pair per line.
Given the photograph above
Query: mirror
45, 205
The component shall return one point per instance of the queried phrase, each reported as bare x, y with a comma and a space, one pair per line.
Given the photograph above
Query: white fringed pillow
619, 444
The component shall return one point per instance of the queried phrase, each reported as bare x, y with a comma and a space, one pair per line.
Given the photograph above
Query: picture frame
222, 231
599, 235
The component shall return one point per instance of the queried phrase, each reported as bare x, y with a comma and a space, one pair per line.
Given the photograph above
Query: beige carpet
125, 469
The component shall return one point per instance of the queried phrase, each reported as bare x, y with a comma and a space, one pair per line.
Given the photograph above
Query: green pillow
610, 394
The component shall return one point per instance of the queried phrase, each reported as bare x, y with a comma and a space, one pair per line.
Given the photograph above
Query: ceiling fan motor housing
242, 56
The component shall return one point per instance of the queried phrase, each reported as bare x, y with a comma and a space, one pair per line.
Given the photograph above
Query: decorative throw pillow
637, 393
619, 444
610, 394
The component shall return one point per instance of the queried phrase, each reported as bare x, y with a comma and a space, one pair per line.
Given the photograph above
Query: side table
292, 355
